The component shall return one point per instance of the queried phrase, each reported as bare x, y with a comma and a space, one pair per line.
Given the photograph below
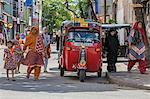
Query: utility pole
105, 11
93, 15
81, 10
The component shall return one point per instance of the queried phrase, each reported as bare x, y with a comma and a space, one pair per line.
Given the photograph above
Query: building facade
17, 16
10, 17
33, 13
109, 10
98, 6
20, 18
123, 11
6, 15
37, 14
129, 11
146, 7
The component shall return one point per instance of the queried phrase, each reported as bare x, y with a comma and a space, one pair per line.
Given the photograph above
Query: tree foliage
54, 12
77, 7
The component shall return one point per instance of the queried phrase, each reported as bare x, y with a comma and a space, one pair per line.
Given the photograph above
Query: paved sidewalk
122, 77
133, 79
23, 68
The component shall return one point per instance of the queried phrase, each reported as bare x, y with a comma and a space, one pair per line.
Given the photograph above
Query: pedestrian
1, 38
51, 38
36, 52
18, 52
18, 38
54, 37
137, 42
111, 46
47, 40
57, 41
9, 58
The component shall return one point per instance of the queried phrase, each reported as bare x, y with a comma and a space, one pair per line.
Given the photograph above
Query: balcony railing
15, 8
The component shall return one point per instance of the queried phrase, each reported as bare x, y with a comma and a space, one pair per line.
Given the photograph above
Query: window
84, 37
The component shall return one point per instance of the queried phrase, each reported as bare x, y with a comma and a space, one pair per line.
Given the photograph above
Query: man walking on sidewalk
47, 39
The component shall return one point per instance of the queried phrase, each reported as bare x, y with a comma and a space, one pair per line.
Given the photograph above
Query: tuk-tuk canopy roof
86, 23
115, 26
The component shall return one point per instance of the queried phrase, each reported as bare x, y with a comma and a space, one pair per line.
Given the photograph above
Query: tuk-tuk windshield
83, 36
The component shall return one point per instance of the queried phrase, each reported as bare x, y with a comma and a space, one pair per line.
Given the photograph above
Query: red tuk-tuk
80, 48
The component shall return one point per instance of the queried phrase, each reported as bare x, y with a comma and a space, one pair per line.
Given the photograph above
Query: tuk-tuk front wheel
82, 74
62, 71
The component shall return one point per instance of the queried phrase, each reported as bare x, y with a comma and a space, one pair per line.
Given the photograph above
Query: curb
122, 82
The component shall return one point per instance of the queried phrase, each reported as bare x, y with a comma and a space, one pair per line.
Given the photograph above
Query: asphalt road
52, 86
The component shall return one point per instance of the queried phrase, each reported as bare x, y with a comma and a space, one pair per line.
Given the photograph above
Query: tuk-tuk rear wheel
62, 70
82, 75
99, 73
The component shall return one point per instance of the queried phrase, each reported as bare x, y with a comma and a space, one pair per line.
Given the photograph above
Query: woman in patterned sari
137, 42
34, 57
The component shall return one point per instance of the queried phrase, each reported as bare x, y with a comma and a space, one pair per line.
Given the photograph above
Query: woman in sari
137, 43
34, 57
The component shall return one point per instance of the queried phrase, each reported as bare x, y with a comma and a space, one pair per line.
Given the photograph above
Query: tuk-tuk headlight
82, 46
68, 48
97, 49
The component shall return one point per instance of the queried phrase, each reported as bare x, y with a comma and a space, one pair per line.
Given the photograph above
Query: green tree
54, 12
77, 7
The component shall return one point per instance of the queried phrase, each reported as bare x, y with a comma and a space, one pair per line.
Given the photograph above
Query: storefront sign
136, 5
29, 3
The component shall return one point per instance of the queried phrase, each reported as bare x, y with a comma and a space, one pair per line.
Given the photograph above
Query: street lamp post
105, 11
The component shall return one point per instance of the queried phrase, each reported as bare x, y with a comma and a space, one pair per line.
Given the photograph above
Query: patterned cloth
10, 62
18, 53
32, 59
39, 47
137, 52
35, 57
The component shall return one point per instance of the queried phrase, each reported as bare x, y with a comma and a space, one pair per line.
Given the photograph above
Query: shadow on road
52, 83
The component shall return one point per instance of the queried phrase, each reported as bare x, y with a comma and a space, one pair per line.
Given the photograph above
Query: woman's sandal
145, 73
13, 79
129, 70
7, 78
27, 76
36, 79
